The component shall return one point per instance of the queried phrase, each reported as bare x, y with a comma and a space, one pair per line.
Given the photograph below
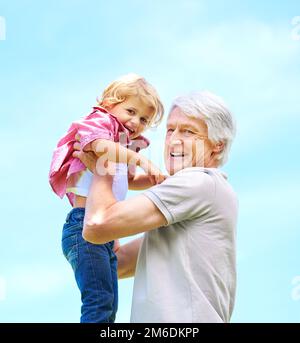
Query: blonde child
128, 106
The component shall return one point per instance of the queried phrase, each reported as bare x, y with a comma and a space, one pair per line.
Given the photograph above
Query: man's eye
170, 130
190, 132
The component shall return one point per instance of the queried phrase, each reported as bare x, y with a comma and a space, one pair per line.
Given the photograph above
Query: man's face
186, 143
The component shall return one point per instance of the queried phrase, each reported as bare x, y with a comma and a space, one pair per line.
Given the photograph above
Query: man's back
186, 271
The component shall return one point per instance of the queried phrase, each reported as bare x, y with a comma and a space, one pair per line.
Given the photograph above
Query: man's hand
89, 159
116, 245
88, 147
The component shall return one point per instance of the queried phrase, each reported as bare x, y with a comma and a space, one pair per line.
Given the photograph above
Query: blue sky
57, 58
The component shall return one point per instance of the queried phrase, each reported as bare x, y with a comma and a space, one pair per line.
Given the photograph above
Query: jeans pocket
70, 249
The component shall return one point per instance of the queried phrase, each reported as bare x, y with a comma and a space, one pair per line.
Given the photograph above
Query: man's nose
174, 142
175, 138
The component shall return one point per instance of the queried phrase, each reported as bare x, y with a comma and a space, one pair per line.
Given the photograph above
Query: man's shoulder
188, 182
202, 179
196, 175
202, 173
193, 170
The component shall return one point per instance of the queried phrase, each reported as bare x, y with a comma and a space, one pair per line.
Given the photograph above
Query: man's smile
177, 154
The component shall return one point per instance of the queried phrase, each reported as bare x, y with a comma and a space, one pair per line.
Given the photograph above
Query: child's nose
135, 121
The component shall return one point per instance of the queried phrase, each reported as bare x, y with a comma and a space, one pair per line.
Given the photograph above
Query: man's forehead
183, 120
177, 116
179, 121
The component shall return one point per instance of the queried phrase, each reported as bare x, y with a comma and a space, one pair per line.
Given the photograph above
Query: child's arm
115, 152
139, 182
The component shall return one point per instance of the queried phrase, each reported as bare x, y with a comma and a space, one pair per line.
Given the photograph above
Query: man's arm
106, 219
127, 256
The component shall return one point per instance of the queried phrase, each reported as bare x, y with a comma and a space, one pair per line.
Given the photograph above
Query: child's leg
91, 265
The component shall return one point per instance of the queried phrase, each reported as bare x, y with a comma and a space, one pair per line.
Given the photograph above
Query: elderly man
184, 265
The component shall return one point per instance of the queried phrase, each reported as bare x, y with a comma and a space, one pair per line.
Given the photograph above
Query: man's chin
173, 169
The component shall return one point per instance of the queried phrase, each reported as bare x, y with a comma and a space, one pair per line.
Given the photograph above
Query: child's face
134, 114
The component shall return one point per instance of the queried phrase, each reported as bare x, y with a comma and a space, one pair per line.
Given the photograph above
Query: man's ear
219, 146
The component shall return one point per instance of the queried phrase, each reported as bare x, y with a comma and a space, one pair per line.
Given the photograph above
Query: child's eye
144, 121
130, 111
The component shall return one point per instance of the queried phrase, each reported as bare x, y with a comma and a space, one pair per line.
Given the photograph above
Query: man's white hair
213, 111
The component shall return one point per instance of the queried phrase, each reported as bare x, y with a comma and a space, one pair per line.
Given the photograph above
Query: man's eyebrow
184, 126
190, 126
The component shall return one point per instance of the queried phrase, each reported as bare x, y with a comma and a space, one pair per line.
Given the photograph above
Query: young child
127, 107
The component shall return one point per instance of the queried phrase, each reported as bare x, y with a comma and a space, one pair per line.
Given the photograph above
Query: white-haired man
184, 265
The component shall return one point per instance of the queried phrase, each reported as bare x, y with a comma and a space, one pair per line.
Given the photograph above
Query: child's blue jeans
95, 269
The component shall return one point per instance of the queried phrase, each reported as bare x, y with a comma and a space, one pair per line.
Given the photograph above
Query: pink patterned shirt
99, 124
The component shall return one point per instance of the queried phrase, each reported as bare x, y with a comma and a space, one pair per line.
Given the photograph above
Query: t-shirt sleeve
185, 195
94, 127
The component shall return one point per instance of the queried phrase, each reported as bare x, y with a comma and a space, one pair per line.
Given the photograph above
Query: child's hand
155, 174
157, 179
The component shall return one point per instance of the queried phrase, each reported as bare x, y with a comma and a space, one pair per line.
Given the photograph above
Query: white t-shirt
119, 187
186, 271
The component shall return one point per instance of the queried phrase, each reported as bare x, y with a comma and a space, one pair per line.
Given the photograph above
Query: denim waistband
76, 213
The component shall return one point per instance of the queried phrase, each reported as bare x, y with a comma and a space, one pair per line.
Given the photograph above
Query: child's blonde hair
133, 85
